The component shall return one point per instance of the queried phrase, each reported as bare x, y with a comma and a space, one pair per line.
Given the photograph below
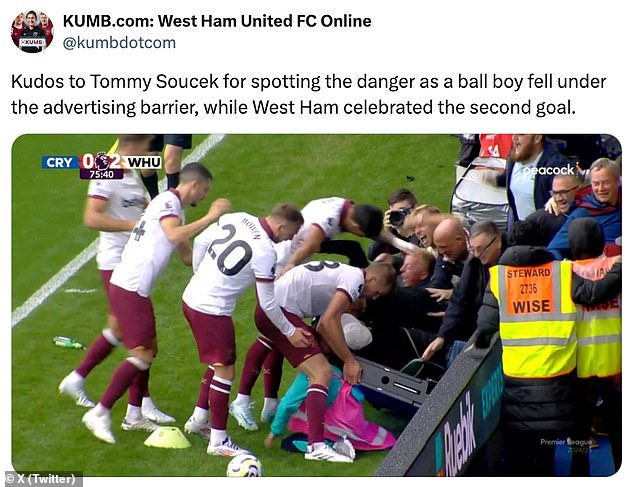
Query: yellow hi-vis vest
537, 319
599, 328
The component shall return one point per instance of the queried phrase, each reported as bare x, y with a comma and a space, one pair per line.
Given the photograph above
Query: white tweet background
407, 38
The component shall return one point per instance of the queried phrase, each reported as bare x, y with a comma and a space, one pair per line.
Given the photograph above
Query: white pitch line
66, 272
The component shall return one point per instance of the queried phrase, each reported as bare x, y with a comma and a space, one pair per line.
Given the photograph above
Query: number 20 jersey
239, 252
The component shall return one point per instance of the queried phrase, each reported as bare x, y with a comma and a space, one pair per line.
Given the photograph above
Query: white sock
147, 403
101, 410
270, 404
133, 413
217, 436
200, 415
243, 399
76, 378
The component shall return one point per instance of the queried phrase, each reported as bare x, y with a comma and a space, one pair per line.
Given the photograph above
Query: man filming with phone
401, 203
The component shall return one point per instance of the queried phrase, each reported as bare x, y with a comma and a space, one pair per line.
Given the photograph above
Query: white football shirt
126, 201
306, 290
325, 213
148, 250
239, 251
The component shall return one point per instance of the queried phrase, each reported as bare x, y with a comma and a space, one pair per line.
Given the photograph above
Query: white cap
357, 335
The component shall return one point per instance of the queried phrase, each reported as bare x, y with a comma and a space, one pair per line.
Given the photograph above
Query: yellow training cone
167, 437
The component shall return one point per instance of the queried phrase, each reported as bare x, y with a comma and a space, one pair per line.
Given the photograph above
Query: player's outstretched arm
177, 233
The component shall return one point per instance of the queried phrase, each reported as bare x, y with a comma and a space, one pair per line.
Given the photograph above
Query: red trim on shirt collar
267, 228
344, 211
178, 195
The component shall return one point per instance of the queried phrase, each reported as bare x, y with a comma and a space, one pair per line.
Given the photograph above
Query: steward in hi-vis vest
598, 349
531, 300
599, 328
537, 319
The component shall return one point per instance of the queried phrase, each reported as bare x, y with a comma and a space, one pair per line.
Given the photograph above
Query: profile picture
32, 31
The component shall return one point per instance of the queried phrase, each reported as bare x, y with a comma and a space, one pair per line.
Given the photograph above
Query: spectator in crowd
401, 203
410, 302
529, 172
400, 323
483, 145
601, 201
495, 145
547, 224
450, 239
526, 232
538, 361
459, 321
422, 221
599, 348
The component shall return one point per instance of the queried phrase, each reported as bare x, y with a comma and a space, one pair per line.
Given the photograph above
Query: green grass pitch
255, 172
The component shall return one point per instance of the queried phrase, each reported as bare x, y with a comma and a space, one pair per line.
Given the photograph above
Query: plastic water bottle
68, 343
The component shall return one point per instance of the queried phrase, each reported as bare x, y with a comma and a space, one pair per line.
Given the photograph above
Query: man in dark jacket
599, 350
399, 321
537, 412
528, 177
459, 321
409, 302
547, 224
450, 238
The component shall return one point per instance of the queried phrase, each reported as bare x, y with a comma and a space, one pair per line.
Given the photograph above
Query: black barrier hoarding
454, 422
409, 389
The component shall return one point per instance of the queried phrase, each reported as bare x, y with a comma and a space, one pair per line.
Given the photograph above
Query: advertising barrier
455, 421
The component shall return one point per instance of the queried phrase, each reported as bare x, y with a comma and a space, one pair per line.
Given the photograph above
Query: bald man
450, 239
564, 189
459, 321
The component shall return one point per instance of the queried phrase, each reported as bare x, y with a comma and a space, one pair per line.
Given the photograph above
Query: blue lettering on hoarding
439, 455
492, 391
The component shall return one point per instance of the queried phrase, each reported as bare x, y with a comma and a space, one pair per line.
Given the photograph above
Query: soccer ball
245, 466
